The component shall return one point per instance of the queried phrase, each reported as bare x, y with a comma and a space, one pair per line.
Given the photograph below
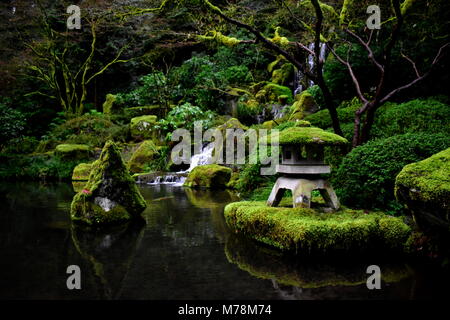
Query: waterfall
177, 178
298, 87
205, 157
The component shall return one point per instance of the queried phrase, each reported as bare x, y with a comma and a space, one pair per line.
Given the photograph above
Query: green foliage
36, 167
317, 94
367, 174
12, 123
88, 129
346, 114
184, 116
152, 89
306, 231
420, 115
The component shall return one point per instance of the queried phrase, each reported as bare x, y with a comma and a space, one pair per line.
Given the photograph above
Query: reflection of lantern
302, 163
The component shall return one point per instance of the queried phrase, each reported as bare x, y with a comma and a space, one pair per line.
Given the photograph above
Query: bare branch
352, 74
436, 59
413, 64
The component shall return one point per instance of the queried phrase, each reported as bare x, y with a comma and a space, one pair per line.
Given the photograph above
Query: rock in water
111, 195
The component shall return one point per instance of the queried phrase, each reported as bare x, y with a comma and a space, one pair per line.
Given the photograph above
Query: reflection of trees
296, 278
190, 217
110, 252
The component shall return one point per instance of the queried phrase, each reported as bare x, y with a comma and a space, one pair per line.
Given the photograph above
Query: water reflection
110, 253
296, 279
185, 251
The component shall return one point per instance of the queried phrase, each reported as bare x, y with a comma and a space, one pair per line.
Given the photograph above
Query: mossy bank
307, 231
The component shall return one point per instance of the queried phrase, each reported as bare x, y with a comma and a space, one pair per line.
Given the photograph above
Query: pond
185, 251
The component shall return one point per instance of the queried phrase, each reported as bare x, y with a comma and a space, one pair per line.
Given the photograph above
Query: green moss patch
143, 127
73, 151
141, 158
306, 230
82, 171
309, 135
208, 176
424, 187
304, 105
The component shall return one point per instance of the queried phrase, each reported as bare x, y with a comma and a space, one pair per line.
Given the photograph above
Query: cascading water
299, 76
205, 157
178, 178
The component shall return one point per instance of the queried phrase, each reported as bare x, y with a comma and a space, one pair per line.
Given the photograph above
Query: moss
271, 92
108, 104
303, 106
73, 151
143, 127
111, 195
309, 135
233, 180
141, 111
424, 188
232, 123
429, 178
220, 38
306, 230
282, 41
284, 75
82, 171
274, 63
208, 176
146, 152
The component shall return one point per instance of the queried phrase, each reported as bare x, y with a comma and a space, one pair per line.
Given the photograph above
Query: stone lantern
302, 152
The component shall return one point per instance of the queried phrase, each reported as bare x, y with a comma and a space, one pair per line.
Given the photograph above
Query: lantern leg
330, 197
276, 195
302, 193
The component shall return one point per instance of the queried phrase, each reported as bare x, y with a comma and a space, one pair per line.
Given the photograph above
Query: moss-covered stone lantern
302, 153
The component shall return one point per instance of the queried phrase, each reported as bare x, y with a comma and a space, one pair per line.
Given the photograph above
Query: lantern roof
309, 136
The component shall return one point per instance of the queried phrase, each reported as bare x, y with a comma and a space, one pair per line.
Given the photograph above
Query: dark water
185, 251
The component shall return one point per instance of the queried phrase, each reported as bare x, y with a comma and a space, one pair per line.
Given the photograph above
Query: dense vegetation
185, 61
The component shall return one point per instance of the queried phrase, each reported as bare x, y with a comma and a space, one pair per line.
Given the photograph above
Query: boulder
111, 195
208, 176
73, 151
82, 171
284, 75
303, 106
271, 93
424, 188
142, 157
143, 127
142, 111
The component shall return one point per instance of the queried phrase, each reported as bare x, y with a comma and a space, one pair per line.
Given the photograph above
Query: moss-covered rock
306, 230
284, 75
82, 171
303, 106
73, 151
109, 103
142, 111
309, 135
111, 195
143, 127
141, 158
424, 187
271, 93
232, 123
208, 176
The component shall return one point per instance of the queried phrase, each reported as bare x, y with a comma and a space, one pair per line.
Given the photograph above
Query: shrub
12, 123
420, 115
367, 174
346, 114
